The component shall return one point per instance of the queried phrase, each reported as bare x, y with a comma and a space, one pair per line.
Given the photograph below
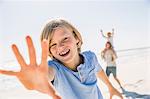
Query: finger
121, 96
111, 96
11, 73
31, 50
18, 56
44, 51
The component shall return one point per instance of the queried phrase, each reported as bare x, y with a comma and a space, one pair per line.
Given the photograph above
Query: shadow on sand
134, 95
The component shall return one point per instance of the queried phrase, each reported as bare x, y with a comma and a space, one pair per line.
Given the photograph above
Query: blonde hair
54, 24
109, 33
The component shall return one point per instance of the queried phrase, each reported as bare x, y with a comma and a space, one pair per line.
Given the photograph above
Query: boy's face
109, 34
64, 45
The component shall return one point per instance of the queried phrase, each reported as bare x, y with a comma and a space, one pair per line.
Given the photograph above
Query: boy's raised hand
33, 76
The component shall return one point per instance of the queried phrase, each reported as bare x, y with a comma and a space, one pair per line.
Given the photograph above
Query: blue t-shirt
81, 84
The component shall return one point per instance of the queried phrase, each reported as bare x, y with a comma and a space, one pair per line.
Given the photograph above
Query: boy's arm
103, 34
112, 90
51, 73
113, 31
33, 76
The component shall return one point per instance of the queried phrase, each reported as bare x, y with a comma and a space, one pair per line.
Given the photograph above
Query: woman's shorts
110, 70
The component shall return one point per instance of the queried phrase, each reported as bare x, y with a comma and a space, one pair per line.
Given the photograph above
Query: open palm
33, 76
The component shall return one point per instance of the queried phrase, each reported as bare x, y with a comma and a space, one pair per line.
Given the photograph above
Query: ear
79, 44
77, 41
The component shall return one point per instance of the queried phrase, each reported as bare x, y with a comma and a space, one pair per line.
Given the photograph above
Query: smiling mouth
64, 53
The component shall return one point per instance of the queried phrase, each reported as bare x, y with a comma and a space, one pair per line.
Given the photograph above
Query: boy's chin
66, 60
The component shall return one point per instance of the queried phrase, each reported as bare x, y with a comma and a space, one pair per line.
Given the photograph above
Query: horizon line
139, 48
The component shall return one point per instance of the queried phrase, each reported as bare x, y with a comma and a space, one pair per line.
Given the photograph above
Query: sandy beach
132, 72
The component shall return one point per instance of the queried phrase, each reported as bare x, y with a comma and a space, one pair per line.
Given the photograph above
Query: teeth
64, 52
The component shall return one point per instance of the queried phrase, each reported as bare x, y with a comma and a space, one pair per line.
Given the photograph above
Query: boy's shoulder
88, 54
53, 63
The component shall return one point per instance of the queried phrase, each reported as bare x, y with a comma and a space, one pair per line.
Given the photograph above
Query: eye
66, 38
53, 46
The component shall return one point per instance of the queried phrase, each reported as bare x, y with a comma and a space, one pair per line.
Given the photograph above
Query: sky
129, 18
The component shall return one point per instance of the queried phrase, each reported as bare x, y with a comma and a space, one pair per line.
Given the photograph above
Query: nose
60, 47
